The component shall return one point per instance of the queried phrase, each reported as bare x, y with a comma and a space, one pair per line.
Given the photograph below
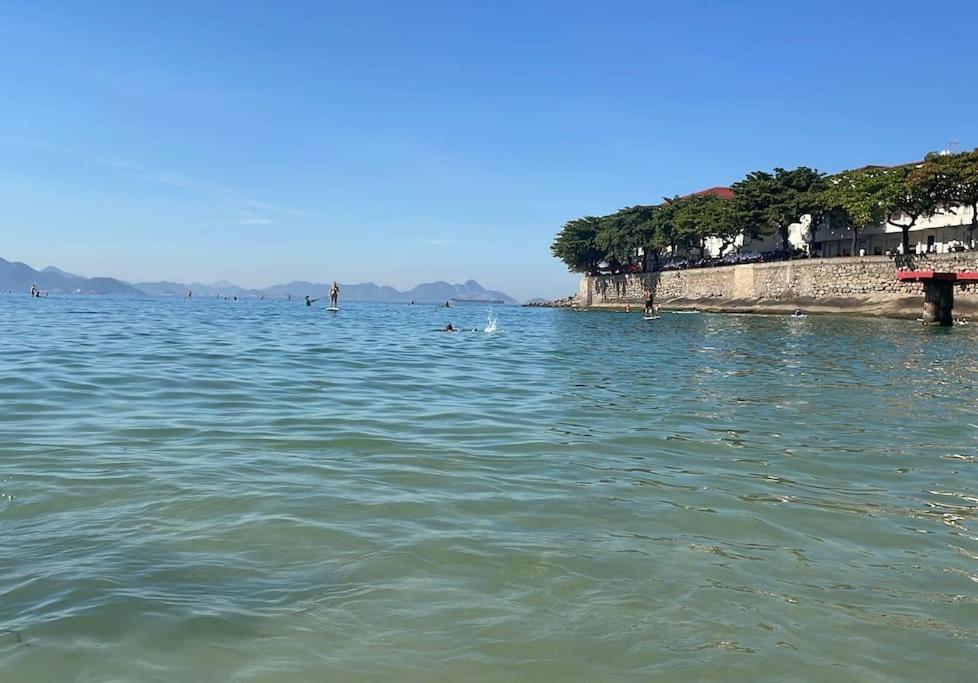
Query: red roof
721, 192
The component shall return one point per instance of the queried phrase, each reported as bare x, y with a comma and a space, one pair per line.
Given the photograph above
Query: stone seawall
863, 285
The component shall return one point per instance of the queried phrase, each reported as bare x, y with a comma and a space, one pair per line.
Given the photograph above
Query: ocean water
259, 491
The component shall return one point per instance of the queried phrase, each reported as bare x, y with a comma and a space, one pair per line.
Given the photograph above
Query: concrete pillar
938, 302
585, 291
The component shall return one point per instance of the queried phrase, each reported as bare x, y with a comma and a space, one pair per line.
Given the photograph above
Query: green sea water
259, 491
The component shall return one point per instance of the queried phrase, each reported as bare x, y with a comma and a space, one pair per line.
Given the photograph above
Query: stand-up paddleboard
651, 317
333, 308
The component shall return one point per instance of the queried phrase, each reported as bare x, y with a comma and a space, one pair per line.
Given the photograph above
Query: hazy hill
163, 288
360, 292
443, 291
431, 292
20, 276
58, 271
166, 288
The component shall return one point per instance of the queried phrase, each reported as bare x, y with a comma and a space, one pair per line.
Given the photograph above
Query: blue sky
407, 141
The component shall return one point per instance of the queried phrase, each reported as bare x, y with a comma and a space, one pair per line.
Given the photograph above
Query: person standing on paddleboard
649, 303
334, 295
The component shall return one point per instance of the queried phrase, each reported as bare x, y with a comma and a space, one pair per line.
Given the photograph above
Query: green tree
908, 193
662, 226
641, 231
771, 202
723, 219
854, 199
615, 240
699, 217
623, 233
953, 178
688, 229
644, 227
576, 245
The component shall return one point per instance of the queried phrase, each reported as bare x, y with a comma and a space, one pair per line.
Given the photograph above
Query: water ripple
249, 491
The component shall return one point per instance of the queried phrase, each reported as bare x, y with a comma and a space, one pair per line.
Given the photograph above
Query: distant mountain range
19, 277
430, 292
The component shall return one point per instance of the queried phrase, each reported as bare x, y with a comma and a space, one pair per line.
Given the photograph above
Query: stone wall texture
856, 278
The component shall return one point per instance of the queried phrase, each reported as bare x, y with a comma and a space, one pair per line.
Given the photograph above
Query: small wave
490, 322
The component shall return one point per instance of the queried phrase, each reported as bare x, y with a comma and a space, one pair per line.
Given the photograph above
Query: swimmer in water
449, 328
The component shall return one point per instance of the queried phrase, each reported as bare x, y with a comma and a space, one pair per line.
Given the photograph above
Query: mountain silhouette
19, 276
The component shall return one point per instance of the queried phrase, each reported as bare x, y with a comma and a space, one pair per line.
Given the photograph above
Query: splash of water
490, 322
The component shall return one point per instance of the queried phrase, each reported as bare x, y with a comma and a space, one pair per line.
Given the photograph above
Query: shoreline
898, 307
855, 286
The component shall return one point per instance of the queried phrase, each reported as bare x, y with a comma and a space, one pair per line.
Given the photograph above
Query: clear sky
403, 142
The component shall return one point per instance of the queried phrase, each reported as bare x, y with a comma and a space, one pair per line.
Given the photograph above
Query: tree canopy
768, 203
576, 244
854, 199
908, 193
773, 201
954, 179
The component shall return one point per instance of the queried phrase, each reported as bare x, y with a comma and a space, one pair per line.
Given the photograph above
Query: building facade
944, 232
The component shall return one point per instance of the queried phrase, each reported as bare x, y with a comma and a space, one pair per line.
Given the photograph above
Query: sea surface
212, 490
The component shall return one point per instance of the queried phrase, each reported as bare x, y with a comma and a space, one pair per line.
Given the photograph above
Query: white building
945, 231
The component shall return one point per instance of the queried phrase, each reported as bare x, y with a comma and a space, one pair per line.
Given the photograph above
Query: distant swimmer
334, 295
310, 302
450, 328
447, 304
34, 292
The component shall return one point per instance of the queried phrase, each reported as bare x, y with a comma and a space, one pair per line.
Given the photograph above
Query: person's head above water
449, 328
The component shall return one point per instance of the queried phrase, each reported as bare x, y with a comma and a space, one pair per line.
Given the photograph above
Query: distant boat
473, 300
